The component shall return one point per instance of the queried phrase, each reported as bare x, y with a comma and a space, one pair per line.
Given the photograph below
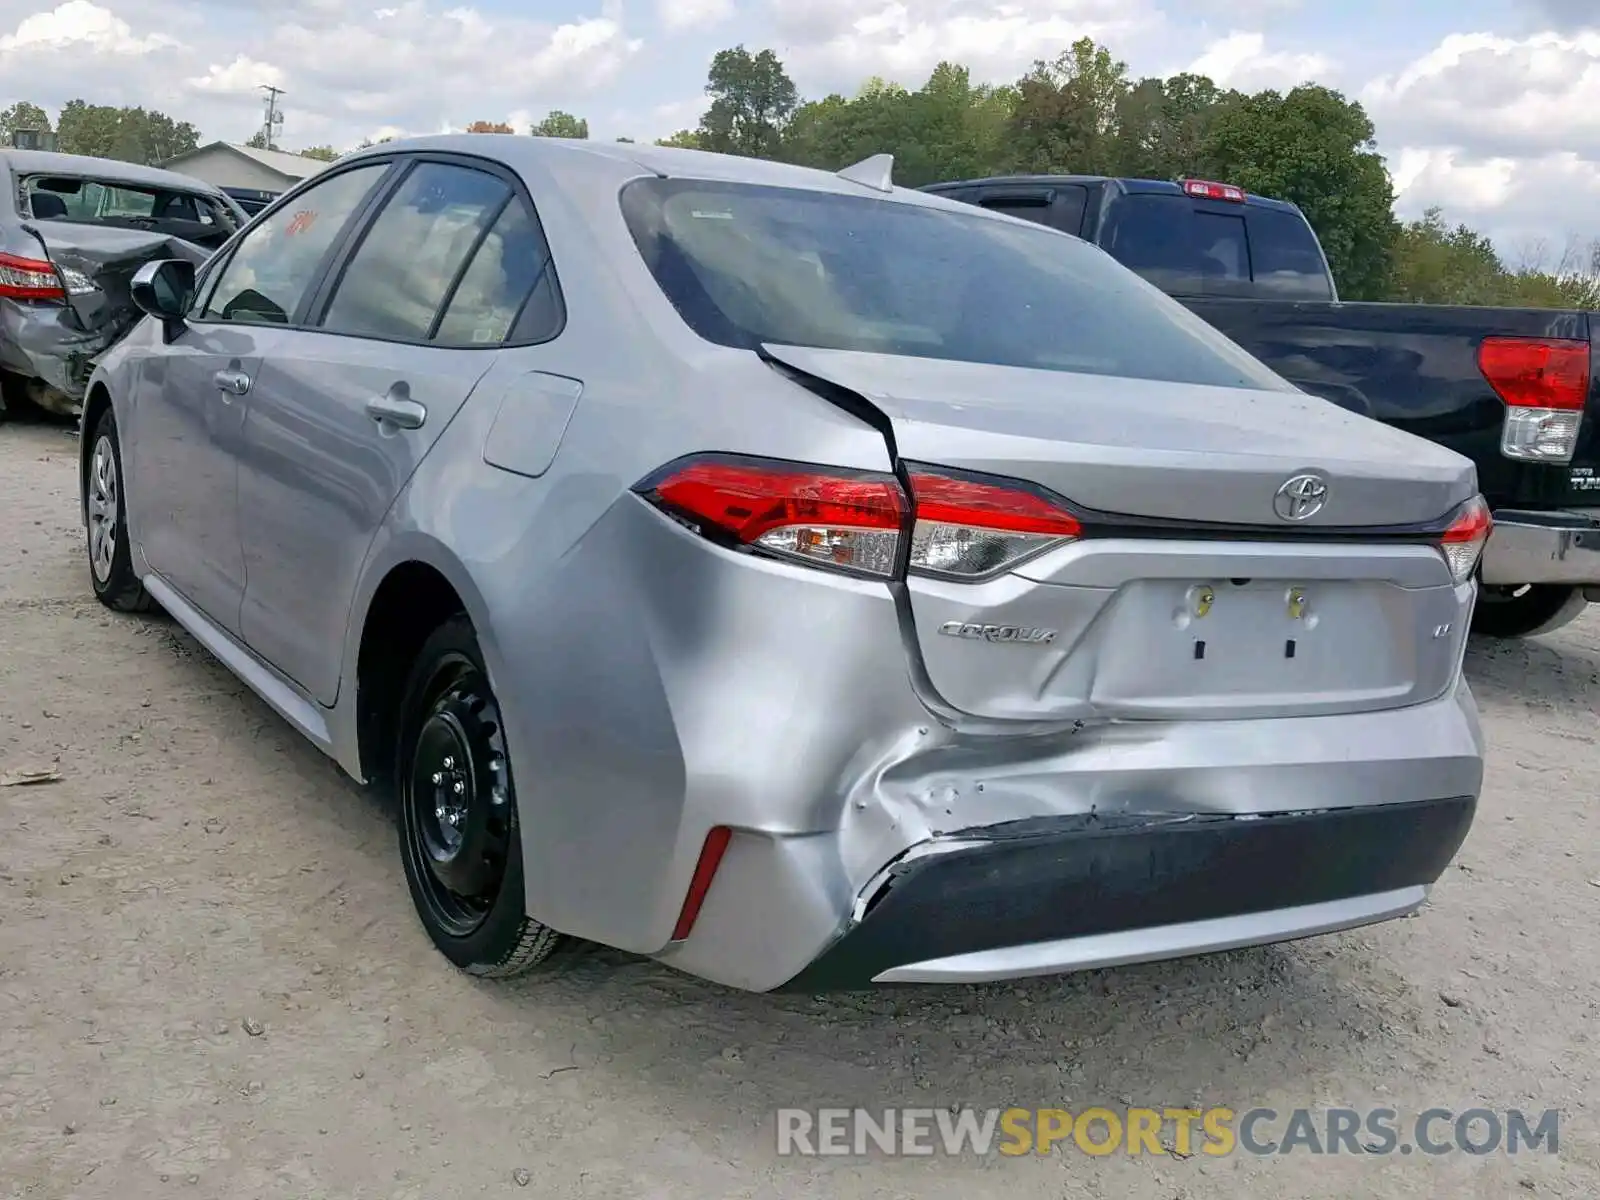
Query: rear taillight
960, 527
29, 279
1545, 384
1462, 543
849, 520
971, 529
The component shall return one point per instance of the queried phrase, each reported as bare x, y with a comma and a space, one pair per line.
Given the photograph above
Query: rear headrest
46, 205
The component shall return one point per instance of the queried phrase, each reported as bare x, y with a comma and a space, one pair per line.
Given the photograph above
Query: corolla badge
1025, 634
1300, 497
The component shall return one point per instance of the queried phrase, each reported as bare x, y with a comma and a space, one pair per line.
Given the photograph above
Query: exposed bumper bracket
1086, 892
1561, 547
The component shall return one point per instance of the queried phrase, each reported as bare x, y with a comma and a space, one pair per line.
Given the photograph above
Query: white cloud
1241, 60
243, 76
677, 16
81, 26
841, 42
347, 68
1496, 95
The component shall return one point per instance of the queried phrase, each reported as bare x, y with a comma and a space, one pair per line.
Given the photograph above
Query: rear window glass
1287, 260
1188, 251
746, 264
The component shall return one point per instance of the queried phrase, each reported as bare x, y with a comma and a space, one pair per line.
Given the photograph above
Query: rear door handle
397, 409
235, 383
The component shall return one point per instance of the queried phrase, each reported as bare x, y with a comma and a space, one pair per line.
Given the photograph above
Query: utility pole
274, 117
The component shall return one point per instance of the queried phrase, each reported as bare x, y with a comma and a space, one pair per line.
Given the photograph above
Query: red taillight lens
29, 279
1463, 542
842, 519
962, 526
1545, 385
971, 529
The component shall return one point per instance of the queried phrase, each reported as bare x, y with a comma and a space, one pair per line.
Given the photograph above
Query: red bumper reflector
705, 870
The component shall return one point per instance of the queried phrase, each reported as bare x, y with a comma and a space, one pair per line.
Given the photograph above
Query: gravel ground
212, 983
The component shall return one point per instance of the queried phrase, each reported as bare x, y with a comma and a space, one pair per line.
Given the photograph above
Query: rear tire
1526, 610
460, 839
105, 505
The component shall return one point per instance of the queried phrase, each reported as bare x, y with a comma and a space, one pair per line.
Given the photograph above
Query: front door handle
234, 382
396, 407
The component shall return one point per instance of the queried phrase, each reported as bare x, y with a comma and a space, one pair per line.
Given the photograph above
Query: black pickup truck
1510, 388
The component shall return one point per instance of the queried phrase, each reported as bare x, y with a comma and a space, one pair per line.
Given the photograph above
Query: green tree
320, 153
684, 139
1162, 126
948, 128
560, 124
131, 134
752, 99
1314, 147
22, 115
1065, 116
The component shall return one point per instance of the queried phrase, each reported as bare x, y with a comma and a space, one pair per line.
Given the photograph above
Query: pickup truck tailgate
1416, 367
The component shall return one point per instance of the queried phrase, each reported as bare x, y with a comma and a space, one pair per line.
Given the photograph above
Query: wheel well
95, 403
413, 600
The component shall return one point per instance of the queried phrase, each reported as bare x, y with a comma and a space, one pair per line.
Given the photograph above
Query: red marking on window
300, 222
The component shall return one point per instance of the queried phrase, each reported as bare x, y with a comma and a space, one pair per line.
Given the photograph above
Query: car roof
576, 157
45, 162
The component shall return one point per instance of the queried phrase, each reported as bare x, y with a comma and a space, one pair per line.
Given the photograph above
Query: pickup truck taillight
1545, 384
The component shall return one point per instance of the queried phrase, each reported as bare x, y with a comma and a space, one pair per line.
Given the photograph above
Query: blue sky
1488, 107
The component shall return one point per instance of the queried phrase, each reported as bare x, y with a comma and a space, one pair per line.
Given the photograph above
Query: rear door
345, 409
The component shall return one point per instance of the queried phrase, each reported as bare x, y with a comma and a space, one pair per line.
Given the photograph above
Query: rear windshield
1226, 250
117, 204
746, 264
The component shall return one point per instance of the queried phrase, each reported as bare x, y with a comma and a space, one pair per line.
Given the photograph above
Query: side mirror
163, 289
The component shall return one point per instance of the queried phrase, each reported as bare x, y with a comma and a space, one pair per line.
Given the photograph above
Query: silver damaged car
800, 580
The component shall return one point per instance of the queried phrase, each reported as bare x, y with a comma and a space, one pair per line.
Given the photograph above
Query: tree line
1079, 113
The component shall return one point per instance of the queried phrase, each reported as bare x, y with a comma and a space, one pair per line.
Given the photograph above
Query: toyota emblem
1300, 497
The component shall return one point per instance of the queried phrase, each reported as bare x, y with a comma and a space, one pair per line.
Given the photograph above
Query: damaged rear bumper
1072, 893
53, 345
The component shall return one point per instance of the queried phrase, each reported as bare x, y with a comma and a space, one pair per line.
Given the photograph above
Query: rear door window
512, 262
410, 257
1288, 263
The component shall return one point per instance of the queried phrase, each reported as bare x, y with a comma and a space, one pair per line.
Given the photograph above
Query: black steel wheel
459, 834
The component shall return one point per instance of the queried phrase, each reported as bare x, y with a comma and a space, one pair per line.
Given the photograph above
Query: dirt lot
198, 869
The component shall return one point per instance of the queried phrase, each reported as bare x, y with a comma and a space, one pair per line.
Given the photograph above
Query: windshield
117, 204
746, 264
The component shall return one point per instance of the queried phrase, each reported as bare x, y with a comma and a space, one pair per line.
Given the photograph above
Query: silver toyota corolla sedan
797, 579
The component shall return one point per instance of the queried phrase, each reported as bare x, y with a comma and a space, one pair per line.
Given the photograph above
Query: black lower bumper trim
1073, 879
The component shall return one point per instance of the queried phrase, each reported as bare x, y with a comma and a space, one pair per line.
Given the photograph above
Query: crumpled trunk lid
1143, 448
1228, 611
